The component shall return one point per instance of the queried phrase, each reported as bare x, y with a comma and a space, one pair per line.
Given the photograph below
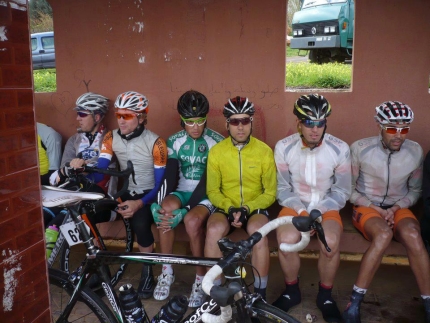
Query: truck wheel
320, 56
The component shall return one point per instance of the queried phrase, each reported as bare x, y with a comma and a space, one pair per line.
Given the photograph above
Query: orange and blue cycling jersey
147, 152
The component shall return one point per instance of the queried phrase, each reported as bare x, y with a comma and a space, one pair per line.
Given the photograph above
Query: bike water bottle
173, 311
51, 235
132, 305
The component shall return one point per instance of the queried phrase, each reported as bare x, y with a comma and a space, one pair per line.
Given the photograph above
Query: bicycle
247, 307
66, 248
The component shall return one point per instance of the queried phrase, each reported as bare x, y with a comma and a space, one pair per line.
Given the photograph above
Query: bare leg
408, 233
195, 221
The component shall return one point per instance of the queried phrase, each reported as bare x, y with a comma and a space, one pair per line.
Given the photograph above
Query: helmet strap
306, 142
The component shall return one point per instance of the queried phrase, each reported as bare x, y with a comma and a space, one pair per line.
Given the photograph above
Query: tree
293, 6
38, 8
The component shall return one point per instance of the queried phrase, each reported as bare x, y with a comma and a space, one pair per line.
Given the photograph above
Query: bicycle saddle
54, 196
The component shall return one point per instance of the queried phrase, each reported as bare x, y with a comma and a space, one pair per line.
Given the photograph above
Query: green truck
325, 28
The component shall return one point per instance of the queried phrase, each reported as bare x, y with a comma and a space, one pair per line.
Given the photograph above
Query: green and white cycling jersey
191, 155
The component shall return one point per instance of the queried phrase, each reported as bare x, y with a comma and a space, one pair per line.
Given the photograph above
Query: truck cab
325, 28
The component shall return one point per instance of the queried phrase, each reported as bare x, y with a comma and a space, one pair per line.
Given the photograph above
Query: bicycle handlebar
74, 173
240, 250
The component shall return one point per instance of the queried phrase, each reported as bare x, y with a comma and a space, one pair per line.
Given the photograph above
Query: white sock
359, 290
168, 269
261, 282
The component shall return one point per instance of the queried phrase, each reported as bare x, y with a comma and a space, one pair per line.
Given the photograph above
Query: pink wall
226, 48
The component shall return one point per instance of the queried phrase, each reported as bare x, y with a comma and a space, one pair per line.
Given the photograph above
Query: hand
128, 208
77, 163
238, 216
171, 220
387, 215
390, 215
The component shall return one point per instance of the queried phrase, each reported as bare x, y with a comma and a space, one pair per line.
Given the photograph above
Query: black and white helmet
312, 107
238, 105
93, 103
394, 112
133, 101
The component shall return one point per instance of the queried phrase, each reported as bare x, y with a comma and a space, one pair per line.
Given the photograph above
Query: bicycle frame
97, 259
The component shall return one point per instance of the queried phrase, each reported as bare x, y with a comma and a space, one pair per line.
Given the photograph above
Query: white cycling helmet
133, 101
394, 112
92, 103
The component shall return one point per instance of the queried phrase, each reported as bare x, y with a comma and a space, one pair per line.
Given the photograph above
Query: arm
199, 192
285, 194
414, 186
356, 198
213, 185
69, 151
53, 149
340, 190
159, 153
268, 181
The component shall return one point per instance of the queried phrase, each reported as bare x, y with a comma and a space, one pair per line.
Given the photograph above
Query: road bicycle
117, 231
232, 302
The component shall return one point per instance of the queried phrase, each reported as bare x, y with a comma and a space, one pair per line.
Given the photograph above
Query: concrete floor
392, 297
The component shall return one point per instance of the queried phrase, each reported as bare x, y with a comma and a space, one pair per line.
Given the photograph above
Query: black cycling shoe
289, 298
147, 282
426, 303
352, 312
329, 309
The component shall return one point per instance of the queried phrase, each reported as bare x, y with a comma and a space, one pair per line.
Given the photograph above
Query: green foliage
325, 76
38, 7
292, 52
42, 23
45, 80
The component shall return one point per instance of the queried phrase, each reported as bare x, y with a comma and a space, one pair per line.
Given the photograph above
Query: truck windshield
314, 3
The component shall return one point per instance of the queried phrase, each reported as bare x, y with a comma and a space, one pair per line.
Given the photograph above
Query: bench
352, 242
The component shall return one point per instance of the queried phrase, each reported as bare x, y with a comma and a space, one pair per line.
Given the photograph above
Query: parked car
43, 50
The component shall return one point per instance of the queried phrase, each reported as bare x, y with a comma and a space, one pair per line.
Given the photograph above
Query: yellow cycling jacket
241, 177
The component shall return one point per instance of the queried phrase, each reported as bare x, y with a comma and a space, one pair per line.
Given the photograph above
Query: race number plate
71, 233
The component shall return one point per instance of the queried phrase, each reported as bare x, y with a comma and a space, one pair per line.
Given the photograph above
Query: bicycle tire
266, 313
89, 308
115, 233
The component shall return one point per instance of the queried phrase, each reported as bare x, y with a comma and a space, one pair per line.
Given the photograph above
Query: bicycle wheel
266, 313
89, 308
117, 236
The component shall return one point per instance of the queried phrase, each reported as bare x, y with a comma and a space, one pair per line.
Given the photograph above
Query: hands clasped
166, 221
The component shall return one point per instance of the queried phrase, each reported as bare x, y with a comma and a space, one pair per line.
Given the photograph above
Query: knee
215, 230
262, 245
333, 241
411, 236
193, 224
383, 238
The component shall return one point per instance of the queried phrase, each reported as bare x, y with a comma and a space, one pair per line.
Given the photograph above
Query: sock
327, 304
167, 269
426, 302
261, 282
360, 290
290, 297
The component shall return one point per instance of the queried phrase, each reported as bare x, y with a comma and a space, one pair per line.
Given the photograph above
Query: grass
323, 76
45, 80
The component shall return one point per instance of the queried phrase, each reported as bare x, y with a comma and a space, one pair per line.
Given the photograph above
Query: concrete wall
232, 47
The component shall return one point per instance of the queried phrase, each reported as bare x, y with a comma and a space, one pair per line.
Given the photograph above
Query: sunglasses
126, 116
236, 121
82, 114
394, 130
190, 123
314, 123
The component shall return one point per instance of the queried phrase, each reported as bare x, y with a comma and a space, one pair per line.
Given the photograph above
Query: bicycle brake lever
320, 233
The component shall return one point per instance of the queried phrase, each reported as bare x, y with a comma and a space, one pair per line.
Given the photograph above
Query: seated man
425, 219
148, 152
314, 172
84, 147
49, 147
188, 151
387, 175
241, 184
